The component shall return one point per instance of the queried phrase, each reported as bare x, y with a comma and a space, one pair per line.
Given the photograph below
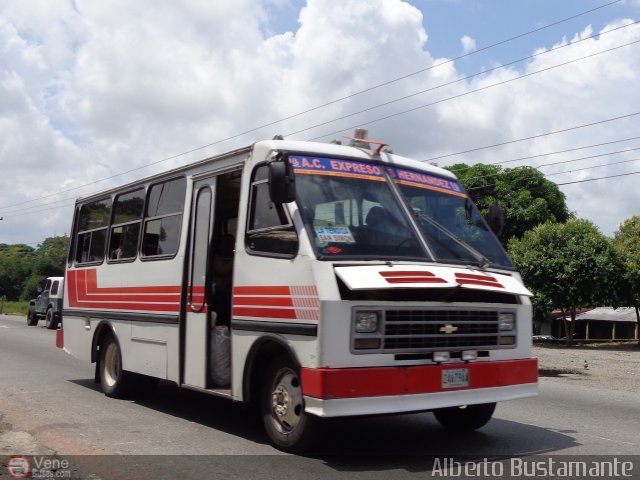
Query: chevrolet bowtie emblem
448, 329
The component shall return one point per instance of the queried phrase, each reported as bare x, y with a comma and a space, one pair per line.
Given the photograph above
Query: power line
462, 79
27, 212
403, 112
546, 174
368, 89
532, 137
395, 80
559, 173
591, 167
550, 164
563, 151
599, 178
343, 117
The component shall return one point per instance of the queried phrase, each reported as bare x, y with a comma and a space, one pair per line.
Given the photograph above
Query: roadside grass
14, 308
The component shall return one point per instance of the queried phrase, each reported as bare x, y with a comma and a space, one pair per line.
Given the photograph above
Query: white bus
312, 280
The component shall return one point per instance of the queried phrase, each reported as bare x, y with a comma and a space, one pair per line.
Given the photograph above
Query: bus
309, 280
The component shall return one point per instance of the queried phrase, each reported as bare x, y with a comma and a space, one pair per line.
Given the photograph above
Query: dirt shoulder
13, 442
616, 368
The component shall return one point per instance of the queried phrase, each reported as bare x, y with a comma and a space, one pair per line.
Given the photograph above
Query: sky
98, 94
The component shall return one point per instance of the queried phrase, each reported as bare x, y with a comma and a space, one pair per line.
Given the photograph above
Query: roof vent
359, 139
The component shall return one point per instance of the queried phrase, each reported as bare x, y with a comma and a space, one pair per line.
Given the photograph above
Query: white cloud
89, 89
468, 44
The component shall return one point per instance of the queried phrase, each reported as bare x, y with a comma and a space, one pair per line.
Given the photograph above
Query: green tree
15, 266
627, 241
568, 266
23, 268
48, 260
526, 196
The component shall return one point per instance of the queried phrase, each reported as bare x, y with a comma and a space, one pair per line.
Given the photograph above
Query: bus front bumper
384, 390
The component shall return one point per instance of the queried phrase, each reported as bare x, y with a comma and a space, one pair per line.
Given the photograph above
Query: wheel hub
280, 401
287, 402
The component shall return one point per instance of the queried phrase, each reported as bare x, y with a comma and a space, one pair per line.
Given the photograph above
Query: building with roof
602, 323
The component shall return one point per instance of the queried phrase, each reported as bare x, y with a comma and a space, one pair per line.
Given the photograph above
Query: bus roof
263, 148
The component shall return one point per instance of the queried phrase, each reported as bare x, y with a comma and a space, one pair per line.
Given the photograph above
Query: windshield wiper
483, 261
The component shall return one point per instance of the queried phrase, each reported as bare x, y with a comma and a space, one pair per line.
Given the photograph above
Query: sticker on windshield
334, 235
423, 180
335, 167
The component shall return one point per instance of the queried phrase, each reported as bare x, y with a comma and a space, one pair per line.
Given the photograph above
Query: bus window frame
290, 225
112, 225
77, 234
146, 219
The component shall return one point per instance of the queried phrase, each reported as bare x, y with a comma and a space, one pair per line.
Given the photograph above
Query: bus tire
287, 425
465, 418
32, 317
115, 382
50, 320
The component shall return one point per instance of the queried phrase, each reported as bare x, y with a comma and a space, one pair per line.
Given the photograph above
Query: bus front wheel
288, 426
465, 418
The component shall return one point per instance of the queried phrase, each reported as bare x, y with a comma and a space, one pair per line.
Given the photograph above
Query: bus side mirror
495, 219
282, 187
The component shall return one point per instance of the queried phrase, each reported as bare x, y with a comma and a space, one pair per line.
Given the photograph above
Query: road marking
612, 440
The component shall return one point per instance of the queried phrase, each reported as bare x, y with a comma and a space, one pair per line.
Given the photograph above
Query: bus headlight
367, 322
506, 320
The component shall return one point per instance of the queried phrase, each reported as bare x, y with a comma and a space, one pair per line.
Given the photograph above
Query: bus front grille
420, 330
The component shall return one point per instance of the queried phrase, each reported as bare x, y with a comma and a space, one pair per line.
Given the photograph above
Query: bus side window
91, 240
125, 229
269, 229
163, 218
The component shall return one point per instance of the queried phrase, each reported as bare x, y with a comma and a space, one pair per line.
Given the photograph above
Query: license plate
455, 378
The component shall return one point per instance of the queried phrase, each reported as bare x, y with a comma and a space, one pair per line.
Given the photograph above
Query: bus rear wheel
115, 382
465, 418
286, 423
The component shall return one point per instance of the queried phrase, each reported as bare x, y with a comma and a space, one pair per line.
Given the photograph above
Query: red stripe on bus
262, 290
415, 280
84, 292
471, 276
470, 279
267, 301
331, 383
92, 286
411, 277
481, 284
131, 298
279, 313
138, 307
409, 273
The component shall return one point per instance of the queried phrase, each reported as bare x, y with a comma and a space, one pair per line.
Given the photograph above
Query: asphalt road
49, 404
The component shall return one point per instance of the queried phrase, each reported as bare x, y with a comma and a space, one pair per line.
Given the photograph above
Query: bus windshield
351, 210
452, 225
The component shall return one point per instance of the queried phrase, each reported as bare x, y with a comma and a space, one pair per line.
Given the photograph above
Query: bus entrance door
198, 315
